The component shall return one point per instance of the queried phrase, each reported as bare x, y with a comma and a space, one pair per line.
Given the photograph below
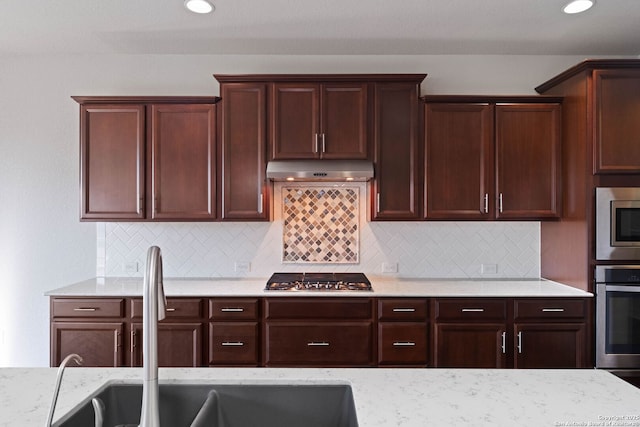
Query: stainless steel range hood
320, 170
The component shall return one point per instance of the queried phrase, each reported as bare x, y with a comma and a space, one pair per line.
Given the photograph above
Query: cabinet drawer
87, 307
318, 308
401, 343
331, 343
233, 343
410, 309
177, 308
457, 309
233, 309
549, 309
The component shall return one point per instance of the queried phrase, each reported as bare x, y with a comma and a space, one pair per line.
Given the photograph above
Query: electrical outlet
389, 267
131, 267
489, 269
242, 266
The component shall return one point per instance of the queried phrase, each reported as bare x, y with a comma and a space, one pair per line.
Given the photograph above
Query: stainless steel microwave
618, 223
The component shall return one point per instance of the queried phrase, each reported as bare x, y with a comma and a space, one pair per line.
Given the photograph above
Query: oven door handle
613, 288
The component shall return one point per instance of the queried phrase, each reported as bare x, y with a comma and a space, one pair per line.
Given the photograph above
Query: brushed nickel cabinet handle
472, 310
324, 145
316, 149
404, 344
232, 344
404, 310
504, 343
318, 344
486, 202
500, 202
378, 202
260, 203
519, 342
231, 310
85, 309
553, 310
170, 310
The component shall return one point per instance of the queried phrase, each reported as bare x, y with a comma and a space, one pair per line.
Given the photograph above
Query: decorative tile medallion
320, 225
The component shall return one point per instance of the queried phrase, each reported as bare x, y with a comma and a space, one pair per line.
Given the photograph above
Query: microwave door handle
622, 288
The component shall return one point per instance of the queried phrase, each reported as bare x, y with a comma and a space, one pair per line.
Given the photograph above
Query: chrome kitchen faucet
153, 310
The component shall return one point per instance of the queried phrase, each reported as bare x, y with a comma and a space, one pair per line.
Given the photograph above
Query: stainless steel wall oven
618, 317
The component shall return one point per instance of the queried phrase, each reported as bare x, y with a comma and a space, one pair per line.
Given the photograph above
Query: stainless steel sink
223, 405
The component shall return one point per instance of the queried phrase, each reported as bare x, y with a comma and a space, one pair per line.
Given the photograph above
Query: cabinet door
617, 121
112, 161
466, 345
459, 161
397, 188
183, 155
549, 345
295, 120
99, 344
528, 160
344, 121
243, 131
179, 344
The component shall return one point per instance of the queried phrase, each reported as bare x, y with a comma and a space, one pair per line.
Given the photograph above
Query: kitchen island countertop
383, 397
382, 287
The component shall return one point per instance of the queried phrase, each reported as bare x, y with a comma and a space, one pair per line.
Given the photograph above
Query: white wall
42, 243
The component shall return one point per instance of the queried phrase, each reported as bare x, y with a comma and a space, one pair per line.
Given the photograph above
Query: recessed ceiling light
198, 6
578, 6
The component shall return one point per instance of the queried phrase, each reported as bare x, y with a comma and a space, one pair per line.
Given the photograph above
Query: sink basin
223, 405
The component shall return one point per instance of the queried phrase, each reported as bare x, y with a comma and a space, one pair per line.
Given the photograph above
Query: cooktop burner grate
318, 282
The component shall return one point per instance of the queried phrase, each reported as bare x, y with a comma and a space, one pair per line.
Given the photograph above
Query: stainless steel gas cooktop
318, 282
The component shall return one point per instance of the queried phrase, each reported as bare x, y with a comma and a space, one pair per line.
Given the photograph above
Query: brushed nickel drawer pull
472, 310
504, 343
231, 310
85, 309
318, 344
232, 344
404, 344
519, 342
170, 310
404, 310
553, 310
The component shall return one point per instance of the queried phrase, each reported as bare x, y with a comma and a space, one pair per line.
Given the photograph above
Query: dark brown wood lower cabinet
98, 343
464, 345
403, 343
330, 331
179, 344
549, 345
234, 343
325, 344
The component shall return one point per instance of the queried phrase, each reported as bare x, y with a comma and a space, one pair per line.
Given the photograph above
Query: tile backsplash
320, 225
250, 249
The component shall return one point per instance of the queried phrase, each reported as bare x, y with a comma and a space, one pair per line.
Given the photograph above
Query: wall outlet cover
389, 267
242, 266
489, 269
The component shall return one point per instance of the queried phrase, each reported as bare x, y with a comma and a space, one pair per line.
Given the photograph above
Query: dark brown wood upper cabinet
319, 120
147, 158
183, 159
459, 160
397, 188
617, 121
112, 161
492, 158
528, 161
243, 145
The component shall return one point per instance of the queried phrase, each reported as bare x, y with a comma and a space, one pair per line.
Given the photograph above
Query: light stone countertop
383, 397
382, 287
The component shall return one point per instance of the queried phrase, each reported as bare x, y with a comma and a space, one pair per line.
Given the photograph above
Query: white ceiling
318, 27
